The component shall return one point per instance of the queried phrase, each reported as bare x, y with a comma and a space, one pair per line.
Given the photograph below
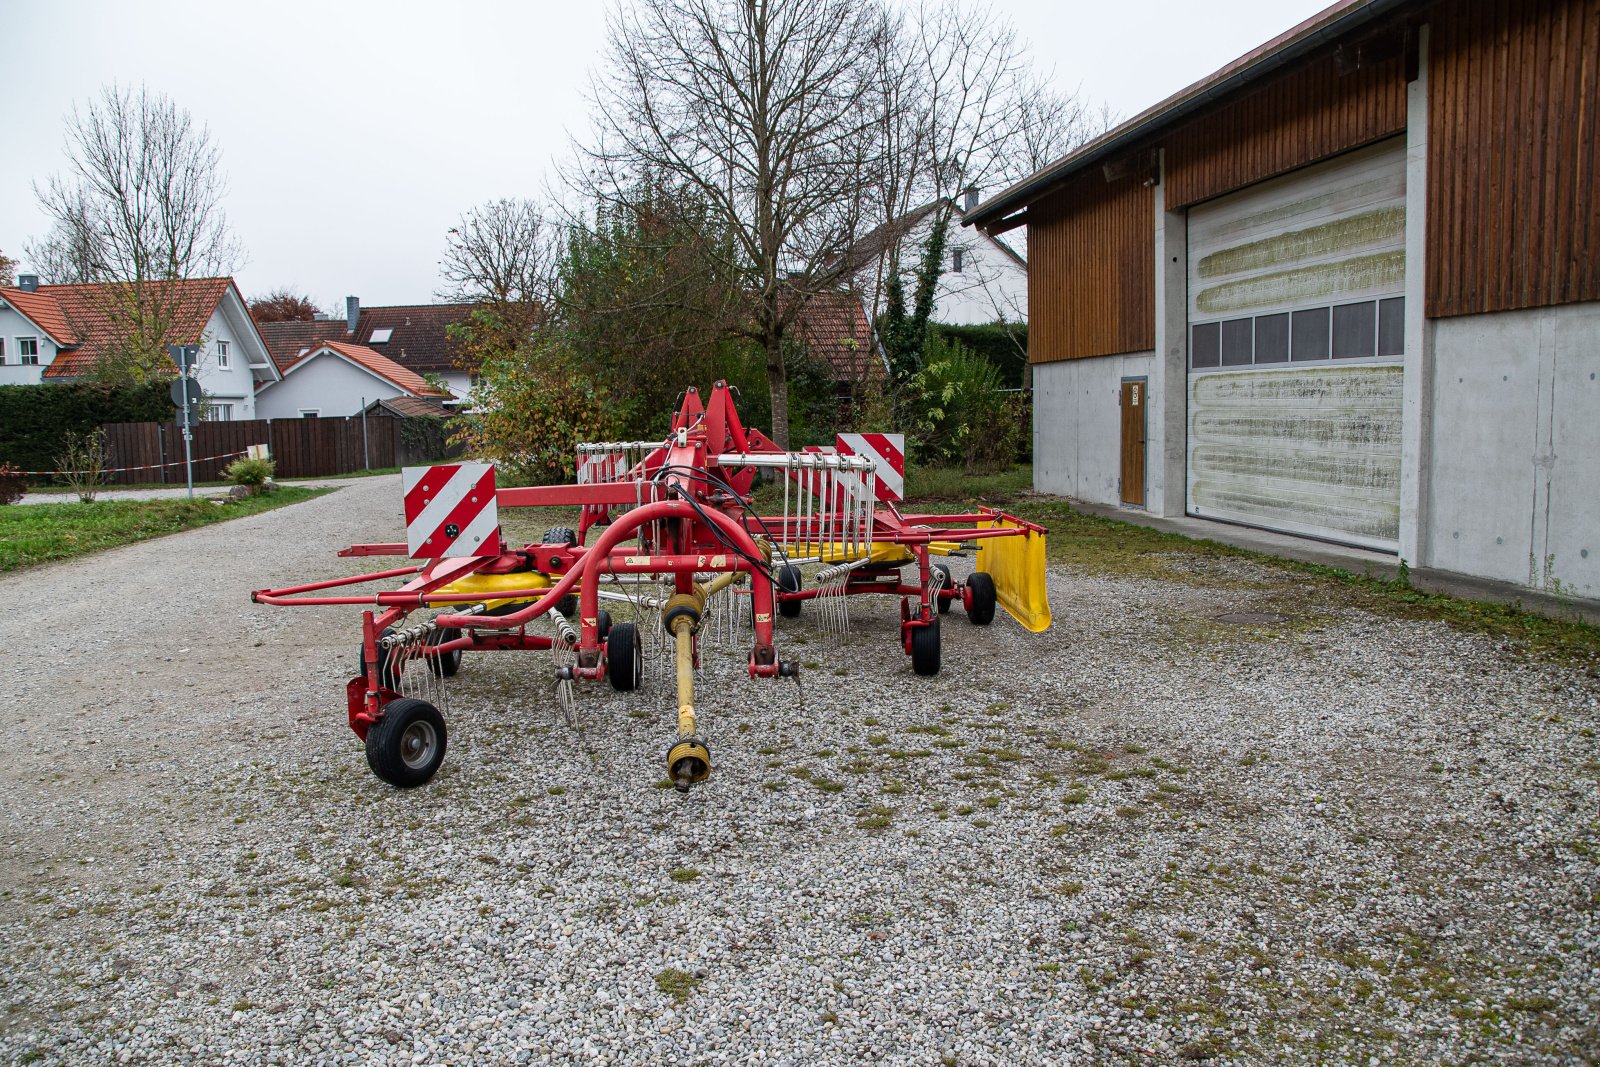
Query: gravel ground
1146, 836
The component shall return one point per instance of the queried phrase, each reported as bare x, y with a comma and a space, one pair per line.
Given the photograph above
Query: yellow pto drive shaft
688, 760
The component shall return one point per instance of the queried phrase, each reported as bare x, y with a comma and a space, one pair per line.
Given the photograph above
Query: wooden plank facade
1091, 229
1311, 113
302, 448
1513, 169
1513, 155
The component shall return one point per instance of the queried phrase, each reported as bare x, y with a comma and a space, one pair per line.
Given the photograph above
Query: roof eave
1317, 31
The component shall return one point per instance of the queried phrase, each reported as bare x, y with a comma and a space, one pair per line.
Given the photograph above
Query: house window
310, 413
955, 261
2, 351
222, 355
28, 351
221, 412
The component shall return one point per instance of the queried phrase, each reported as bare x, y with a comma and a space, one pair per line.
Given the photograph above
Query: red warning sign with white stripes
451, 511
889, 450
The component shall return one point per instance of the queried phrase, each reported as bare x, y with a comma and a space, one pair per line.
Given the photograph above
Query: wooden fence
303, 448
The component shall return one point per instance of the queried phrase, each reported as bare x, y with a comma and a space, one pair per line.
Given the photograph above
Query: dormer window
28, 351
222, 355
381, 336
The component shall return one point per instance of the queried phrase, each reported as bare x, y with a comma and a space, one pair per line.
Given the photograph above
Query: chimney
28, 283
352, 312
971, 199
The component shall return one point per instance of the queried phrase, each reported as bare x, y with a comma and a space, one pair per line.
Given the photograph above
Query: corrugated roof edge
1322, 28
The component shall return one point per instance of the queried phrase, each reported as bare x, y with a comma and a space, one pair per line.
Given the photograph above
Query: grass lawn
40, 533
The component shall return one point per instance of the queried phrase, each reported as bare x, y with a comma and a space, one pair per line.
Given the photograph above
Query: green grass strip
41, 533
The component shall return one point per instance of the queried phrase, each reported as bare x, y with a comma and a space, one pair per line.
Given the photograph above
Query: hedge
34, 419
1004, 345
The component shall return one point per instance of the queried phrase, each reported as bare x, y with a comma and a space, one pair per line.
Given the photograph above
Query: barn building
1347, 288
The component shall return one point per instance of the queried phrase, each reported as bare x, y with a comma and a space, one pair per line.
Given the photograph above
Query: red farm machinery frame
676, 512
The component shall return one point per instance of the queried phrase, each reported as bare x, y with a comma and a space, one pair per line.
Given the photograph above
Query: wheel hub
417, 744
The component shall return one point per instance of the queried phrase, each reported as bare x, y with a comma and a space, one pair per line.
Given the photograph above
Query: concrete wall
327, 384
12, 326
1077, 426
1513, 492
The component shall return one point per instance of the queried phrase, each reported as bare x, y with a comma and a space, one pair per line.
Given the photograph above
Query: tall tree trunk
778, 383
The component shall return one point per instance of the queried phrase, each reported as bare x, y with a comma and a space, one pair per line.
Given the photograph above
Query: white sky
355, 132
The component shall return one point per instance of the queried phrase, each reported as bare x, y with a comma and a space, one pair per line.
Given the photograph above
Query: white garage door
1296, 321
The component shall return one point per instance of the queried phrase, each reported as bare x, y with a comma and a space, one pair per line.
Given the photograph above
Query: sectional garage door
1296, 321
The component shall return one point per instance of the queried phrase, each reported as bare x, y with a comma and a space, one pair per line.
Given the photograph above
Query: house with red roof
57, 333
338, 378
417, 337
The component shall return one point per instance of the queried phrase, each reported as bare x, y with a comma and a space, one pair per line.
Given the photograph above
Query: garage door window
1392, 326
1355, 330
1272, 338
1310, 335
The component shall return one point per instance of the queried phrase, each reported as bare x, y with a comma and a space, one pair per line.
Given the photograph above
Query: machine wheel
981, 611
560, 535
925, 649
406, 745
624, 657
789, 582
568, 605
388, 676
603, 623
447, 664
949, 583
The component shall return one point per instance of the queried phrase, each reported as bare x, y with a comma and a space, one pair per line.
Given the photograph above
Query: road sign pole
188, 451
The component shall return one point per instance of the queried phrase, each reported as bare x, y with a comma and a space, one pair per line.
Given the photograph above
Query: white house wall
13, 325
1514, 492
235, 385
329, 385
1077, 426
989, 287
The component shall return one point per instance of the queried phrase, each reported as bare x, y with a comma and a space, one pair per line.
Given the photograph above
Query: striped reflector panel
889, 449
450, 511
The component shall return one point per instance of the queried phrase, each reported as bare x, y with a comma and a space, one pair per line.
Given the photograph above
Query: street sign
188, 417
182, 386
184, 357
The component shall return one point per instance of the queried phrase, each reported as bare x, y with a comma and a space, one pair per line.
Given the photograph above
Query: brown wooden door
1134, 402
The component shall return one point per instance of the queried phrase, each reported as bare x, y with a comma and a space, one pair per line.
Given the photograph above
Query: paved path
176, 492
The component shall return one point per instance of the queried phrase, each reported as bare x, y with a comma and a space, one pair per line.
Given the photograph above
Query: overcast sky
355, 133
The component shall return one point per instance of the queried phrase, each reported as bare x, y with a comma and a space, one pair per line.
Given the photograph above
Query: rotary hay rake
680, 541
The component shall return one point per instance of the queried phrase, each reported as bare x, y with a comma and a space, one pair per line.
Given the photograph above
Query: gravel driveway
1146, 836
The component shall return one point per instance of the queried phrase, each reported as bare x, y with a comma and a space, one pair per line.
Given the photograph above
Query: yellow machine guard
1017, 566
490, 583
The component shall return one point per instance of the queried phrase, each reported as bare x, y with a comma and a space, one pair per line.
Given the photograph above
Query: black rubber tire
603, 623
388, 677
406, 745
949, 583
560, 535
983, 598
448, 664
789, 581
624, 657
925, 649
568, 605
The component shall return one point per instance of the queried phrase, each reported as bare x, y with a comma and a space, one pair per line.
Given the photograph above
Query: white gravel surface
1142, 837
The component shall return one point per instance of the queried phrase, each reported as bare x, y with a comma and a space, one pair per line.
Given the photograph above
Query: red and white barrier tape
146, 467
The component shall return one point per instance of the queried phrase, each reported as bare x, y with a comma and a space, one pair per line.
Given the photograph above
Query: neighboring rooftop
376, 363
79, 319
833, 326
416, 336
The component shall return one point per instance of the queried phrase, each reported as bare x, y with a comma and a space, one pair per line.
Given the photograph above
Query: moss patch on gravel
42, 533
1108, 547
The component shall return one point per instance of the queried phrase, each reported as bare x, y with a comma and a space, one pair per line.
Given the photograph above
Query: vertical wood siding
1513, 158
1308, 114
1091, 270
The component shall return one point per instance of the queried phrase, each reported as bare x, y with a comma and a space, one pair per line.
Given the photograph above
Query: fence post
161, 452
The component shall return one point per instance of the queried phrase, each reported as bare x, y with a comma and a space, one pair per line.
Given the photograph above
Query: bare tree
139, 209
963, 109
765, 107
503, 256
8, 270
